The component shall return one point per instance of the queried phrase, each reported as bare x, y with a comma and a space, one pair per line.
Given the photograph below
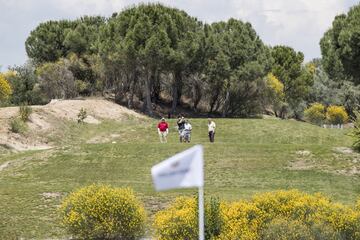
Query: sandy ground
43, 119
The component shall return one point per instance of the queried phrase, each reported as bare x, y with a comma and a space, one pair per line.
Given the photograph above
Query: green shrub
17, 125
82, 115
25, 112
213, 220
103, 212
81, 86
25, 86
322, 231
99, 85
289, 229
286, 229
315, 113
356, 131
336, 115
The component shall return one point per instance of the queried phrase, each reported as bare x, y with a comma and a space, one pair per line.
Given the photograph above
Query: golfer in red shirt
163, 130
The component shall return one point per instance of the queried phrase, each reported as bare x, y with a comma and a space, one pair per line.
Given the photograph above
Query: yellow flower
99, 210
275, 85
5, 88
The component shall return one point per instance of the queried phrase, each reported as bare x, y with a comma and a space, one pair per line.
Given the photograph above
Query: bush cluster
25, 112
17, 125
275, 215
315, 113
82, 86
5, 88
276, 85
82, 115
318, 114
103, 212
336, 115
180, 220
356, 131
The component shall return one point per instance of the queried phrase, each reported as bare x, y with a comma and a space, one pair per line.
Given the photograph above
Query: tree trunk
226, 103
217, 106
174, 97
213, 101
179, 89
130, 94
156, 86
118, 94
197, 96
176, 91
147, 95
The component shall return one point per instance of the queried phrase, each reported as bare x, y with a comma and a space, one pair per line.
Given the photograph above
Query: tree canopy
288, 68
150, 54
340, 47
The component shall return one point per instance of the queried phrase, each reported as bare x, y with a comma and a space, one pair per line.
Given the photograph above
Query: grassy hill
248, 157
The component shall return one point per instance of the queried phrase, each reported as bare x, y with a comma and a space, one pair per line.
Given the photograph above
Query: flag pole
201, 213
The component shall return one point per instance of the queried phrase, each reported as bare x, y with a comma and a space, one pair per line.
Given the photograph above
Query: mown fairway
249, 156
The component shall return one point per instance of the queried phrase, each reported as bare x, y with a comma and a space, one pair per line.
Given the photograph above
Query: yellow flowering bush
103, 212
275, 215
250, 219
357, 206
242, 220
293, 204
274, 95
275, 85
336, 115
5, 88
290, 229
179, 221
315, 113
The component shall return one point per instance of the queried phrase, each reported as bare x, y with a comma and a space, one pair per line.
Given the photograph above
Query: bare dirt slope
44, 120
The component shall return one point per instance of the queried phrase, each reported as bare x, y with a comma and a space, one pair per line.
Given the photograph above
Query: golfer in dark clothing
181, 126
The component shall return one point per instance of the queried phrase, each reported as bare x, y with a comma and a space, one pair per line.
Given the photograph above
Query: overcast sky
297, 23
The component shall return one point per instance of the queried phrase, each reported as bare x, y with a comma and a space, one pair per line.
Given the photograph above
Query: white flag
182, 170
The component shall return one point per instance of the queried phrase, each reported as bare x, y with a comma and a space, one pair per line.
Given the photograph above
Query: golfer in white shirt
211, 130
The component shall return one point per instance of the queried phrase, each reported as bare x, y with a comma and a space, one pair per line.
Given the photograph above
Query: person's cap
162, 119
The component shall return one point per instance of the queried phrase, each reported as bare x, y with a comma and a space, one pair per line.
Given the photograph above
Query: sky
296, 23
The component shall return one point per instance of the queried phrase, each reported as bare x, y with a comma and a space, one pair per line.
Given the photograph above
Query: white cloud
299, 24
90, 7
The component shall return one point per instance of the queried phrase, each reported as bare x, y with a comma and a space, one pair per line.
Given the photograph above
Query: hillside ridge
48, 118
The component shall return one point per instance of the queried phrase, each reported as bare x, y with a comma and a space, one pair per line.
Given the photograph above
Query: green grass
248, 157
